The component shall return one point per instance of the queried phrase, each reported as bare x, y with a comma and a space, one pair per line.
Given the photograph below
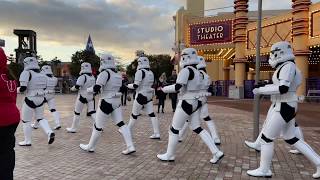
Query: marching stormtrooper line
191, 85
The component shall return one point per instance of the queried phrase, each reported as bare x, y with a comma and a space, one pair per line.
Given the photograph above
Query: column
300, 32
226, 69
240, 25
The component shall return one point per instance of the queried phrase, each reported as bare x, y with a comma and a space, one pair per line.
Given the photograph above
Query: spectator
9, 120
124, 90
173, 96
160, 94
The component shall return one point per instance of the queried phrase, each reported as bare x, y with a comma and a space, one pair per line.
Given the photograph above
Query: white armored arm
169, 89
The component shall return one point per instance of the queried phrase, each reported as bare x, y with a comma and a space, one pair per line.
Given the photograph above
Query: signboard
211, 33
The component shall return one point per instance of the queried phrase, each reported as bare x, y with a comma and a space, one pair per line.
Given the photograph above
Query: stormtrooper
280, 118
143, 81
85, 81
49, 97
108, 83
188, 86
33, 84
204, 113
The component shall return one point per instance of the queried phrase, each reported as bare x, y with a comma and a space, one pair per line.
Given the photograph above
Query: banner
211, 33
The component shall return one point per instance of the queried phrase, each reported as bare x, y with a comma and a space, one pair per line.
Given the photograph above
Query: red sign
211, 33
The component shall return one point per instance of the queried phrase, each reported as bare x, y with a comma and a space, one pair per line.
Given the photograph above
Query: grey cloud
126, 27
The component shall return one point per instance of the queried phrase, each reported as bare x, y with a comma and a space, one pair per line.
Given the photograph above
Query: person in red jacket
10, 118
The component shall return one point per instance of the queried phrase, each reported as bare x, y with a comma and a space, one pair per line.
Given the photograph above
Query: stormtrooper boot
317, 174
46, 128
95, 136
27, 131
172, 143
75, 124
255, 145
299, 135
156, 131
56, 118
183, 131
306, 150
35, 125
207, 139
128, 139
213, 132
265, 162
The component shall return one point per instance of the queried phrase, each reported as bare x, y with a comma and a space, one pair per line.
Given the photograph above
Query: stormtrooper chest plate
90, 81
51, 82
37, 81
114, 83
205, 81
148, 80
194, 83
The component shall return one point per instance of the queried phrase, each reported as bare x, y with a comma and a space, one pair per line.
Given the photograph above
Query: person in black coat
124, 90
160, 94
173, 96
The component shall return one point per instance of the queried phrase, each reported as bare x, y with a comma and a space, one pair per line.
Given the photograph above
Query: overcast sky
116, 26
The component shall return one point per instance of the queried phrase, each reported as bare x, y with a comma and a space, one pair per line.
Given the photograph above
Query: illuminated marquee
211, 33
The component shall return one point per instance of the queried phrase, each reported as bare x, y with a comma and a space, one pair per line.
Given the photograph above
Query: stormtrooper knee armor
108, 83
187, 85
33, 84
85, 81
286, 79
143, 82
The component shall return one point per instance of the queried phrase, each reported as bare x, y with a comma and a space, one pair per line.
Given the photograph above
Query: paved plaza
65, 160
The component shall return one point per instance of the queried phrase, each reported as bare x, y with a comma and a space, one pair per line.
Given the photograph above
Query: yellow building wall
195, 7
314, 30
214, 70
274, 29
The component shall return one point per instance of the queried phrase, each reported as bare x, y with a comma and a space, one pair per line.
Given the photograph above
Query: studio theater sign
211, 33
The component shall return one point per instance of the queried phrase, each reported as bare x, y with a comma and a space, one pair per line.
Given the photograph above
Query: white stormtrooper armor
280, 118
33, 84
204, 113
108, 83
143, 81
256, 145
49, 97
188, 86
84, 81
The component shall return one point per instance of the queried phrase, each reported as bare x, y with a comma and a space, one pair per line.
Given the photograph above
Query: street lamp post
256, 106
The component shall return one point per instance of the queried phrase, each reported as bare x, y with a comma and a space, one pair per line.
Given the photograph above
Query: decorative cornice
300, 5
240, 6
240, 60
302, 52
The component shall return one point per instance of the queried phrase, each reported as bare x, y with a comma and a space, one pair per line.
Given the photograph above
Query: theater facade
227, 41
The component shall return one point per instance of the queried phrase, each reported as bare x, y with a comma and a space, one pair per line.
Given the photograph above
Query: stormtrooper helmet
280, 52
188, 56
30, 63
202, 62
107, 62
85, 68
143, 62
46, 69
